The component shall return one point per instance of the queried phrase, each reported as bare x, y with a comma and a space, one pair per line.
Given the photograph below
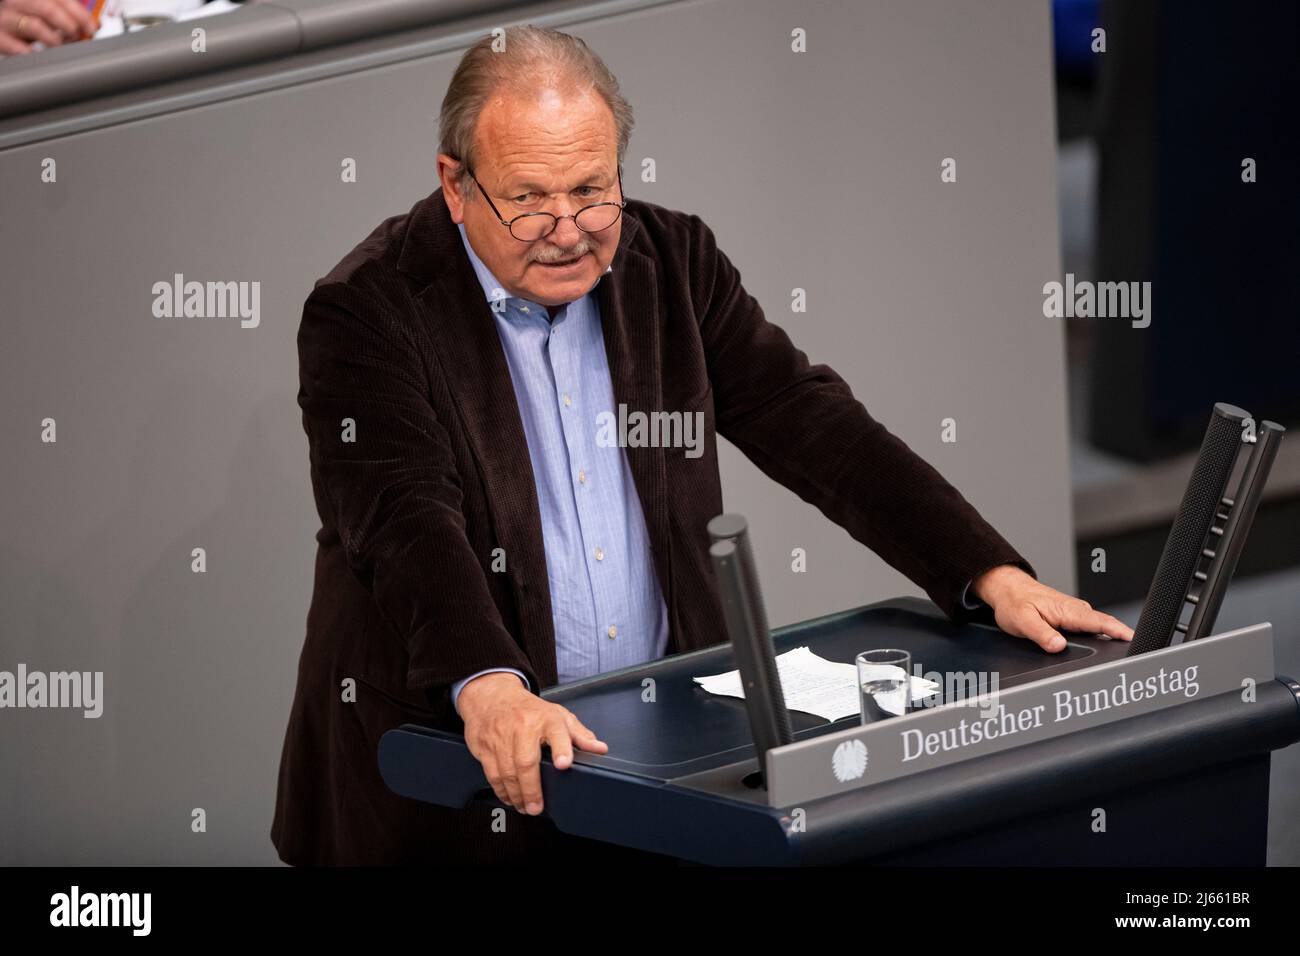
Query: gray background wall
818, 170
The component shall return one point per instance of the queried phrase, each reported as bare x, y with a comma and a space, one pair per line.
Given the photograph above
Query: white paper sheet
817, 686
110, 19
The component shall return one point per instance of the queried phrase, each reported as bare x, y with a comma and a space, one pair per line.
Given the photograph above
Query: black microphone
746, 620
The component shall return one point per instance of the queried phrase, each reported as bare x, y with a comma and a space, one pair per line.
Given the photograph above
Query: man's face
554, 154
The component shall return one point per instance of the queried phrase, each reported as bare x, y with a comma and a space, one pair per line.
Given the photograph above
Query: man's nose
566, 234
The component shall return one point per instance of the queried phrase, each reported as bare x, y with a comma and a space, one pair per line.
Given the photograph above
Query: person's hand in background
505, 727
51, 22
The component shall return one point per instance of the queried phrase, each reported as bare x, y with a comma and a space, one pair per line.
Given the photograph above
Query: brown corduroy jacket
398, 345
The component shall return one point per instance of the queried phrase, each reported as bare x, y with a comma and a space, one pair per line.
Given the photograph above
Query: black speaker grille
1205, 489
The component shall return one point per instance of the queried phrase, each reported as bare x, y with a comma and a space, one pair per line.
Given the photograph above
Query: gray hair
532, 55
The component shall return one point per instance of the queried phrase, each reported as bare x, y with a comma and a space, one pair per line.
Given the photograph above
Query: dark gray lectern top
686, 730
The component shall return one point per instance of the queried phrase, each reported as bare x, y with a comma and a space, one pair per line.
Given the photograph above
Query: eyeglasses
531, 226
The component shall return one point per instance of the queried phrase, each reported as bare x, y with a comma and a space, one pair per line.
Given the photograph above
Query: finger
1081, 617
34, 28
11, 45
1114, 627
58, 18
583, 737
81, 17
557, 738
493, 773
510, 778
491, 767
1029, 623
528, 758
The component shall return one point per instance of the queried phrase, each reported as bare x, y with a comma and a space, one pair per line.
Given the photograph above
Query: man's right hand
505, 727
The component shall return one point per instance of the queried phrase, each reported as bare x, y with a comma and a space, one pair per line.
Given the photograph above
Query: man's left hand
1027, 608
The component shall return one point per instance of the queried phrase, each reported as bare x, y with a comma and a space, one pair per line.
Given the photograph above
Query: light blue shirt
606, 603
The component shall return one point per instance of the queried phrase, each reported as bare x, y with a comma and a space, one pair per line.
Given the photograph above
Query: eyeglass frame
508, 223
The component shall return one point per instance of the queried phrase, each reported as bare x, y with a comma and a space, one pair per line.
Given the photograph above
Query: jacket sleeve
802, 426
393, 492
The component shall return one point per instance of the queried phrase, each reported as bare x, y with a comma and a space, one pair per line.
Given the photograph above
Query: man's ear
450, 173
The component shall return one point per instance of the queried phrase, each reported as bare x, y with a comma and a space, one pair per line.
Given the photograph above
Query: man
478, 542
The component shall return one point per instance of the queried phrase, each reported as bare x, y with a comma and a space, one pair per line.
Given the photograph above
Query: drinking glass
884, 683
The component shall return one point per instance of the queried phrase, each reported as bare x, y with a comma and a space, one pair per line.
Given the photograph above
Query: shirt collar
489, 282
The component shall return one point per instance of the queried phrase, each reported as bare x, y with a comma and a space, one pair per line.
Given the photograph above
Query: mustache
551, 254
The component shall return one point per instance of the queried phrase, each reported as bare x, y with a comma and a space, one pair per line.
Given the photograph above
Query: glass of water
884, 683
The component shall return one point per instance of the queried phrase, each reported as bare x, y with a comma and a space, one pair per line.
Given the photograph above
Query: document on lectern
813, 685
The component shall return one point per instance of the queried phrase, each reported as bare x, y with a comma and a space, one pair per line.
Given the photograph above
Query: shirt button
524, 308
612, 632
567, 401
582, 477
600, 554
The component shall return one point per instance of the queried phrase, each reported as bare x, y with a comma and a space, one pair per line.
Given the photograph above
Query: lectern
1091, 756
